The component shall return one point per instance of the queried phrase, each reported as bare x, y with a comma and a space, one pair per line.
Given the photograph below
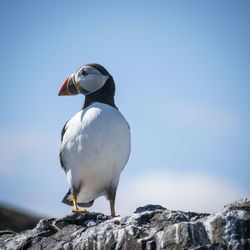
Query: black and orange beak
68, 88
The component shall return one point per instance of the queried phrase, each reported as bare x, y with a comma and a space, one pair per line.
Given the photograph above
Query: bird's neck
88, 101
103, 95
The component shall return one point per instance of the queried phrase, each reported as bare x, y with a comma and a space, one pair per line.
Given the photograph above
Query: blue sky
182, 75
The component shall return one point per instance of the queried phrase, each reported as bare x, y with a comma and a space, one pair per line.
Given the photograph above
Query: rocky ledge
149, 227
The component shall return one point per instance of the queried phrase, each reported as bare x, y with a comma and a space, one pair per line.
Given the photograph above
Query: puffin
96, 141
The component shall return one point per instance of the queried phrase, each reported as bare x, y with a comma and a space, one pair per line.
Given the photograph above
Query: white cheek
93, 82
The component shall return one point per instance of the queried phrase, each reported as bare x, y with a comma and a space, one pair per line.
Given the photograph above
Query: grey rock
150, 227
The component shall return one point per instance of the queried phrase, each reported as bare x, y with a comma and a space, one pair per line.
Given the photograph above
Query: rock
150, 227
13, 220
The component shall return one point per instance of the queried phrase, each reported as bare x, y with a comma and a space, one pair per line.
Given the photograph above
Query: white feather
93, 81
95, 149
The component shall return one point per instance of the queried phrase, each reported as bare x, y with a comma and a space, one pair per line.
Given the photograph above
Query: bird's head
86, 80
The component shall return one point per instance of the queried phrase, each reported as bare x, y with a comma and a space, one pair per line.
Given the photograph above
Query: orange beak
69, 87
64, 88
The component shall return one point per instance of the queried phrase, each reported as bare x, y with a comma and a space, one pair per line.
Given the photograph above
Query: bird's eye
84, 73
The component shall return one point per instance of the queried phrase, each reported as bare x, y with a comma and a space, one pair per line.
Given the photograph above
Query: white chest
96, 147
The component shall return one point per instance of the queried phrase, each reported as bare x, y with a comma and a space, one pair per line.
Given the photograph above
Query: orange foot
79, 210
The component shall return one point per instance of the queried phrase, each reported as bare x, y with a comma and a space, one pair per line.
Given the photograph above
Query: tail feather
68, 200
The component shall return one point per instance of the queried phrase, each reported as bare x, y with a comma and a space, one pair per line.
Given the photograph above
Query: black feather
63, 131
60, 154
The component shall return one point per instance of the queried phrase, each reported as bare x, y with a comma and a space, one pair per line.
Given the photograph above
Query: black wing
61, 155
63, 131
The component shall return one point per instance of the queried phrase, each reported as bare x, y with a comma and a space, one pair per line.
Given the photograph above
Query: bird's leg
112, 207
76, 209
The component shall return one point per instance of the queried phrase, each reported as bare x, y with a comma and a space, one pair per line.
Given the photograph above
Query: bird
96, 141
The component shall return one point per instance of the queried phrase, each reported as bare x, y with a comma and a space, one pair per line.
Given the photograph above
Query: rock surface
150, 227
